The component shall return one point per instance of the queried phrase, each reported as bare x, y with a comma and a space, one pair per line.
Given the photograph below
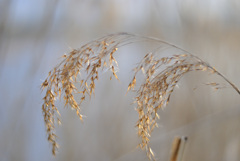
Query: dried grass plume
76, 74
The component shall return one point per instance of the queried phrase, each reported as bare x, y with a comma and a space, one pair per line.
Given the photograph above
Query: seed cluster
161, 77
77, 73
76, 76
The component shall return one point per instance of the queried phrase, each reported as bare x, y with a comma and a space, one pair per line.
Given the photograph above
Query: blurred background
35, 34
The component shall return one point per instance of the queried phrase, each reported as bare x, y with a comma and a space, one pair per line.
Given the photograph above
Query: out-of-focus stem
177, 150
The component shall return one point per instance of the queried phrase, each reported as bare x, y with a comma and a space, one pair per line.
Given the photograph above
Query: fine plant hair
75, 76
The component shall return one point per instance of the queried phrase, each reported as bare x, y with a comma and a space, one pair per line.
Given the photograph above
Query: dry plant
177, 149
76, 75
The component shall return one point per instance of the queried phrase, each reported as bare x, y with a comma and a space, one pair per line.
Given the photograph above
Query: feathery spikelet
66, 81
161, 77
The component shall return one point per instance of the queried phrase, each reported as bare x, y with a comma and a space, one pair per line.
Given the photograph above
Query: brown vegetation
76, 75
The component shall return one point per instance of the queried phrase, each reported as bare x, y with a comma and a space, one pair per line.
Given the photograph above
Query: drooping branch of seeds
161, 77
76, 75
